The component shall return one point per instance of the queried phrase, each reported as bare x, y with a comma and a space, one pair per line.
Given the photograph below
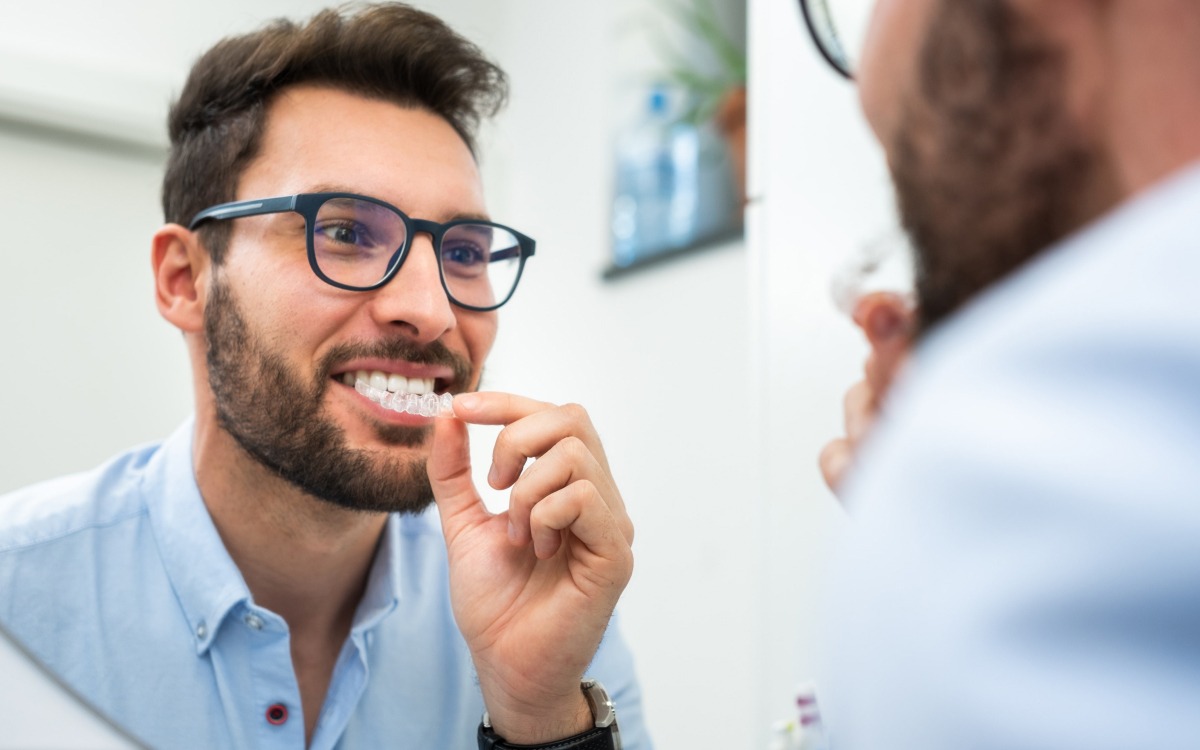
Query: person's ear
181, 267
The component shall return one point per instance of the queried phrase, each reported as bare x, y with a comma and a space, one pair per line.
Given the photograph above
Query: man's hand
887, 320
532, 588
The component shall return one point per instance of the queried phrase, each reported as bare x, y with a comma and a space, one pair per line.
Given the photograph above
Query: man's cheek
888, 72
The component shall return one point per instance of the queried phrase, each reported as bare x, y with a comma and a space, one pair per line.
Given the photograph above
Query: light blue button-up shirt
1023, 571
118, 581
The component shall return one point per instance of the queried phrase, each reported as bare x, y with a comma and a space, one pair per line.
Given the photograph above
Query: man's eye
463, 254
343, 234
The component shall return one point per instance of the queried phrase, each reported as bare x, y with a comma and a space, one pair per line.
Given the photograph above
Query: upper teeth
389, 382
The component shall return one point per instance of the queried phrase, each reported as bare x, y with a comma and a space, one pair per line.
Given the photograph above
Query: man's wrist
546, 725
596, 729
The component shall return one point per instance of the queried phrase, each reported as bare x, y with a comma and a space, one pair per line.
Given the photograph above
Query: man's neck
302, 558
1151, 89
306, 560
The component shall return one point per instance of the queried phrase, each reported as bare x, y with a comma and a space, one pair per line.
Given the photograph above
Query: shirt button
253, 621
201, 631
277, 714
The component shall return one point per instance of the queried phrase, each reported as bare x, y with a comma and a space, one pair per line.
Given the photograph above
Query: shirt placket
345, 692
255, 645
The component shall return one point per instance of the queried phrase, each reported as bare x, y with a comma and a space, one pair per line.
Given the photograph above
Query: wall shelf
721, 239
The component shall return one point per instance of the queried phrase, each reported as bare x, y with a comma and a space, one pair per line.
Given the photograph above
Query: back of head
387, 51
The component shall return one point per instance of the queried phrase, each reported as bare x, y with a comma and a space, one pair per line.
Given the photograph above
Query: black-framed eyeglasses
358, 243
837, 28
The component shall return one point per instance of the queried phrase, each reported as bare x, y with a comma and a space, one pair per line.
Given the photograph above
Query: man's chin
388, 479
404, 435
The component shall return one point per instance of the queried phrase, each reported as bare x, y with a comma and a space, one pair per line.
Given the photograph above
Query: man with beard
1023, 567
275, 573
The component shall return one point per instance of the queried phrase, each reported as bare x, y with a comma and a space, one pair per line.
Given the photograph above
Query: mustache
433, 353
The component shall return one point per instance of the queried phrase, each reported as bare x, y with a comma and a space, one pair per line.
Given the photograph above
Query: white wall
660, 359
713, 380
821, 193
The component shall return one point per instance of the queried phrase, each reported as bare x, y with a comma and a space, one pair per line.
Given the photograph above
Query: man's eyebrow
463, 216
328, 187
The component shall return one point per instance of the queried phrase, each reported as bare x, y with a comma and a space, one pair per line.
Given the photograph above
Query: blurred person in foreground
1023, 568
275, 574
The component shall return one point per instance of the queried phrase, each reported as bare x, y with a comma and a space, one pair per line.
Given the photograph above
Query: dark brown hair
387, 51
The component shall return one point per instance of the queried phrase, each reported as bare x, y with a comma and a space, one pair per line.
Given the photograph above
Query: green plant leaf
699, 17
705, 81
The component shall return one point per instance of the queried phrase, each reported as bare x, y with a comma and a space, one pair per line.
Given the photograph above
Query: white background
713, 380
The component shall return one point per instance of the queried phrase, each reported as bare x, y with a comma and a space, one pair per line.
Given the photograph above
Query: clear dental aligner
400, 400
882, 265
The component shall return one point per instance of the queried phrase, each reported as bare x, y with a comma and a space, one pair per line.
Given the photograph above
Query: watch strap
596, 738
603, 736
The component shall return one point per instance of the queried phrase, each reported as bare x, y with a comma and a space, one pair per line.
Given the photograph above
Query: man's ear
181, 267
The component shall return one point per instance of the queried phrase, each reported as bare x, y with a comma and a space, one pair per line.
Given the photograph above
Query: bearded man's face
990, 166
278, 417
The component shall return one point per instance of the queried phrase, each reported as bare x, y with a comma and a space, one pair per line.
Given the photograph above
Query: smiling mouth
415, 396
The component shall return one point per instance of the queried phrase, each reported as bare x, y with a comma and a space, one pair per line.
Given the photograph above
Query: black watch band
596, 738
603, 736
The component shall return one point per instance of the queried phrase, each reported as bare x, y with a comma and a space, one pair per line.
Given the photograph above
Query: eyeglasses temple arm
238, 209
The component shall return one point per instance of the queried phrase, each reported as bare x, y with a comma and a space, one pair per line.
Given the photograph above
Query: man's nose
414, 299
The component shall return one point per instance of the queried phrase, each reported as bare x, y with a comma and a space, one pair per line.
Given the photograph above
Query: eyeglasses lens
480, 263
357, 242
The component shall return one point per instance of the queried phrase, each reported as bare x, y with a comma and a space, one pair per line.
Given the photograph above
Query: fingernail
493, 475
469, 401
512, 532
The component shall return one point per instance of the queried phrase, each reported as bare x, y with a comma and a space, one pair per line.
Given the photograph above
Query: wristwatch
603, 735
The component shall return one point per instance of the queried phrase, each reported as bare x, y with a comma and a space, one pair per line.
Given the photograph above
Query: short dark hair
389, 51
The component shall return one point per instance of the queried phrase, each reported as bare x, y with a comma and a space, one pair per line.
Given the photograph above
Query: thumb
885, 317
449, 470
888, 320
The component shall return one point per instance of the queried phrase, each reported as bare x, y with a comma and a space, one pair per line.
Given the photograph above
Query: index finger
881, 368
531, 428
495, 408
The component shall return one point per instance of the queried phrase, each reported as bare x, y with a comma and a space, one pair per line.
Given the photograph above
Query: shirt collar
205, 578
382, 594
206, 581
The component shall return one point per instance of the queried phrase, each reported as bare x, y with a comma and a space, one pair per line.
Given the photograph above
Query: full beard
276, 416
989, 167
